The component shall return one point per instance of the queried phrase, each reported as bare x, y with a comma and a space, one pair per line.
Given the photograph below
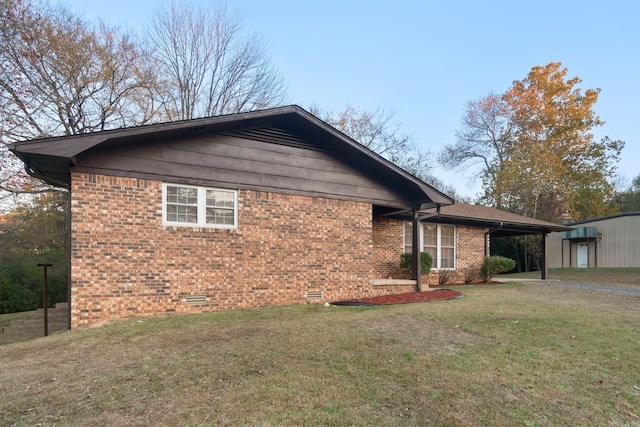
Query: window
436, 239
430, 241
408, 237
447, 246
199, 206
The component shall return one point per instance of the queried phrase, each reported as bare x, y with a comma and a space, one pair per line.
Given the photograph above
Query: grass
506, 355
5, 319
629, 277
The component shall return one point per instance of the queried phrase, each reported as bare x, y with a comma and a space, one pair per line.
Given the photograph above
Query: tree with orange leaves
535, 143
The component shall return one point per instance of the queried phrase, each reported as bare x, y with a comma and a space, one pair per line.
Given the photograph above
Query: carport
498, 222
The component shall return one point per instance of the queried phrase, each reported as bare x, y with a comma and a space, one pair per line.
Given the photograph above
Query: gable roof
502, 223
51, 159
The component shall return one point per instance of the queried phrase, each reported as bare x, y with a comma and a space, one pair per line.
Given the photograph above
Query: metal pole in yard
44, 298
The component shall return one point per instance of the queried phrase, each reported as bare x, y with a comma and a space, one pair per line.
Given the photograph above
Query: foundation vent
313, 295
196, 299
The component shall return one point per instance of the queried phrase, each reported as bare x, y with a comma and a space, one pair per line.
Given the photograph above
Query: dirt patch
405, 298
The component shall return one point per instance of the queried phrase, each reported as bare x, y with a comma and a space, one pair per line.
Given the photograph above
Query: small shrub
444, 276
470, 275
493, 265
425, 262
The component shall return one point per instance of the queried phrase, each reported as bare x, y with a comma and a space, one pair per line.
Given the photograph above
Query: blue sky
424, 60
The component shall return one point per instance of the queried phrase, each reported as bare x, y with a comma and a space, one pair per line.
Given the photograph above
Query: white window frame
201, 207
437, 260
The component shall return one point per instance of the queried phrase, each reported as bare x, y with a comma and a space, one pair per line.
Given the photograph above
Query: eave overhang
499, 223
51, 159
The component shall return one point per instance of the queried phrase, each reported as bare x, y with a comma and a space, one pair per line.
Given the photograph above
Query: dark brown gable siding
242, 163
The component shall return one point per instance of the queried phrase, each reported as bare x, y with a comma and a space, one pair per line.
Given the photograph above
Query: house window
408, 237
199, 206
446, 246
438, 240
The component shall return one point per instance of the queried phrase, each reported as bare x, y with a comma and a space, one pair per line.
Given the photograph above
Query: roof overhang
501, 228
51, 159
500, 223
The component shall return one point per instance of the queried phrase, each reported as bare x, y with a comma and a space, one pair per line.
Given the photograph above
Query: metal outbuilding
609, 241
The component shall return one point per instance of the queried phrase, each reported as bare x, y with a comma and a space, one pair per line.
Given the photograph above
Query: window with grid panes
199, 206
408, 237
447, 246
438, 240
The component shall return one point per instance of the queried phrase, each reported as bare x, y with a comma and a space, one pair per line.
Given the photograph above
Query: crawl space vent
313, 295
196, 299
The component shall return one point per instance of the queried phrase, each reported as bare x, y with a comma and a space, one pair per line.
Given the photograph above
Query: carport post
415, 251
44, 298
544, 272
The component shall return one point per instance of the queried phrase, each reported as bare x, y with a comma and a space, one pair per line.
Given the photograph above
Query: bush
21, 281
470, 275
425, 262
493, 265
15, 298
444, 276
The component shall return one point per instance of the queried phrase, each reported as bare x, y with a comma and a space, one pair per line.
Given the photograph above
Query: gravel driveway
579, 285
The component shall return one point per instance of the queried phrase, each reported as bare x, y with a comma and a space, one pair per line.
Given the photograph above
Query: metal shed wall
619, 245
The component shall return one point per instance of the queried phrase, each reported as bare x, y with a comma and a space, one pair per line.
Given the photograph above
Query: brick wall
388, 244
126, 263
469, 252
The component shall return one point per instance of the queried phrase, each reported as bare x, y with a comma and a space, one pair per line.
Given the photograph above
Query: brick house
262, 208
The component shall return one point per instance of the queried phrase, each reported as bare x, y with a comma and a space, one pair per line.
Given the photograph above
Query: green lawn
504, 355
5, 319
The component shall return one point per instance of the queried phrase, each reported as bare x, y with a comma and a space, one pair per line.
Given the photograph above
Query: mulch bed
405, 298
409, 297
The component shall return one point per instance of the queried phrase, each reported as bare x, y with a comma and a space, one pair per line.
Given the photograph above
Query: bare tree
60, 75
485, 140
209, 66
628, 196
377, 130
12, 179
